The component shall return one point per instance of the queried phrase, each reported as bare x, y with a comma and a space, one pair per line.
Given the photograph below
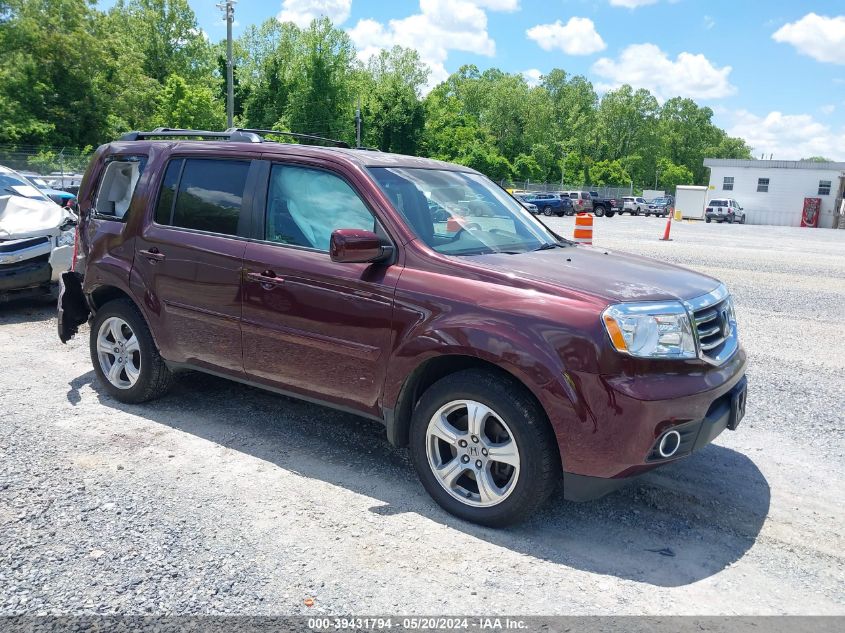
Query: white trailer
690, 201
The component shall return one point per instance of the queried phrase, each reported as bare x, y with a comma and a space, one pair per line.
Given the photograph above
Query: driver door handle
267, 279
153, 254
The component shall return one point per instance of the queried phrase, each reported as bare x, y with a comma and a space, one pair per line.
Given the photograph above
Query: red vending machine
810, 214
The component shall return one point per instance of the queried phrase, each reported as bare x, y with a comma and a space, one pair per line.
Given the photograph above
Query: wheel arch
429, 371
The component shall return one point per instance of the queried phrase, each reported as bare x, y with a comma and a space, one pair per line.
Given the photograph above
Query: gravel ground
224, 499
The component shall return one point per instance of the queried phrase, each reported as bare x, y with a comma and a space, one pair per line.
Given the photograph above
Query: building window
824, 187
728, 183
762, 185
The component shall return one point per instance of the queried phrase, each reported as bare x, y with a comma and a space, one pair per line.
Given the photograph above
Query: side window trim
260, 207
182, 162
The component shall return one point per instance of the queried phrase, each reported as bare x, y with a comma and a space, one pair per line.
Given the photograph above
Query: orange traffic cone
666, 237
583, 228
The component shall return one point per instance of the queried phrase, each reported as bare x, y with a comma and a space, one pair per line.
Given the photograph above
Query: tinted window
304, 207
164, 210
210, 195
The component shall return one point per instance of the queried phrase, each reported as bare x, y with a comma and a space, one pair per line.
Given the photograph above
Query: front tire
599, 212
548, 212
483, 448
124, 354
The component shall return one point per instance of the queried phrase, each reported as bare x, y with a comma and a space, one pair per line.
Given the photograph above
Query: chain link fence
59, 167
604, 191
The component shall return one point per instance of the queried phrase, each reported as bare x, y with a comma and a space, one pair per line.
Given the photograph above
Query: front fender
529, 360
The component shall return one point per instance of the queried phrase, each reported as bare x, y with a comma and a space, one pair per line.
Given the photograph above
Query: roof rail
234, 134
309, 137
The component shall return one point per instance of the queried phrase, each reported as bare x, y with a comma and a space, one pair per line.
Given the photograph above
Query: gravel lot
224, 499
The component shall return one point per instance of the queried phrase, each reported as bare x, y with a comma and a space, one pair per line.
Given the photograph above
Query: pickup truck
605, 206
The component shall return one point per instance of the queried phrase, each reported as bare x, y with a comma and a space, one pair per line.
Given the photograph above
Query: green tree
607, 172
322, 96
394, 116
182, 105
671, 175
169, 39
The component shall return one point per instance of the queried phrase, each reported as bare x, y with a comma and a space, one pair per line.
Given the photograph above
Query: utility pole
358, 123
228, 7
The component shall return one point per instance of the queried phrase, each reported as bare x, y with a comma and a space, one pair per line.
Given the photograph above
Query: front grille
713, 328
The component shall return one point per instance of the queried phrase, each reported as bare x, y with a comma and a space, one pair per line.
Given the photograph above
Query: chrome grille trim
707, 315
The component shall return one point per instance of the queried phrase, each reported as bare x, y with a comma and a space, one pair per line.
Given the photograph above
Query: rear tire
124, 354
509, 423
707, 220
610, 214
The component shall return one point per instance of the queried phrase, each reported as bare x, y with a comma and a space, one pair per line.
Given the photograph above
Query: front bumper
621, 419
695, 434
25, 275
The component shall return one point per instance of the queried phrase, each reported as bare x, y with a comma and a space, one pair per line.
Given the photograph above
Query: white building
773, 191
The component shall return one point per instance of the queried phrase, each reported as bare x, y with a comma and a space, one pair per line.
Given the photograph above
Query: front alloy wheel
472, 453
483, 447
548, 212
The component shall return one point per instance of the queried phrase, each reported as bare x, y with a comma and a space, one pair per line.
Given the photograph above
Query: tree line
76, 76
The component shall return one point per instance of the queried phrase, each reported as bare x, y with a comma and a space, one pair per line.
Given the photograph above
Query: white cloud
576, 37
632, 4
787, 136
646, 66
709, 22
532, 76
828, 108
818, 36
439, 27
301, 12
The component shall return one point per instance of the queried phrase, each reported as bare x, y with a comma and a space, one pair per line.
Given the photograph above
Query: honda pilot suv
505, 357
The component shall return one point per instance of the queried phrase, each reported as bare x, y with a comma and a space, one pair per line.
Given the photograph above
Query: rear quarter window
117, 186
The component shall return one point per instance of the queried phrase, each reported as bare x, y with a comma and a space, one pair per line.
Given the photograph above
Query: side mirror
357, 246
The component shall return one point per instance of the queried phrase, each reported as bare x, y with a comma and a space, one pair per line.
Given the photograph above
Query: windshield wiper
549, 246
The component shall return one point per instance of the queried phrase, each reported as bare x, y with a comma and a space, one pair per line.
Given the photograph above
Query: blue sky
773, 71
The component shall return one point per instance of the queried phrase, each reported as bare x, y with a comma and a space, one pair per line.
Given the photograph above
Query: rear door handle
153, 254
267, 279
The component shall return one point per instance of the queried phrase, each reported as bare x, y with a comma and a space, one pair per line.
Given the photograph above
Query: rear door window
203, 194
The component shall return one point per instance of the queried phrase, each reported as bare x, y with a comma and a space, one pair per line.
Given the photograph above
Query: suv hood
27, 217
605, 274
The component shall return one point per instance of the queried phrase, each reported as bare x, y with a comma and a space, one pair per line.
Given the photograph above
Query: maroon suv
411, 291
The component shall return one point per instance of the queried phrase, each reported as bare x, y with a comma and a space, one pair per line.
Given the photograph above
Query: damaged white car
36, 238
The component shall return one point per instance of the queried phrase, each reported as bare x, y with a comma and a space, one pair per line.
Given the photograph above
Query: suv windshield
11, 183
480, 217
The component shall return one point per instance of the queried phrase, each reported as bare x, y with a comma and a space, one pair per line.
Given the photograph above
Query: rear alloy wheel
548, 212
124, 355
483, 449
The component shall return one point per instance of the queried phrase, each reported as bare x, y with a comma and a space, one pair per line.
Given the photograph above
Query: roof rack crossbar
163, 132
236, 134
310, 137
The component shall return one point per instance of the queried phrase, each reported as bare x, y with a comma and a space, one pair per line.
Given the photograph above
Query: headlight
650, 330
66, 238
